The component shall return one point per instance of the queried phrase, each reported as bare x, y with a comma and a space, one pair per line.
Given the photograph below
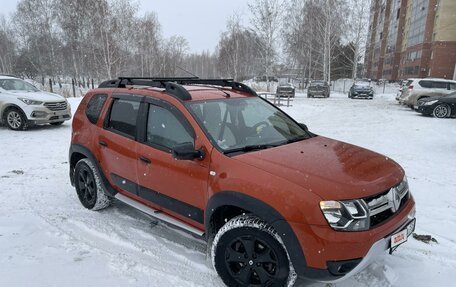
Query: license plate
399, 238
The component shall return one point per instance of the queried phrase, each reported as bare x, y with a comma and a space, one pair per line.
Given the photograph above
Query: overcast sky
199, 21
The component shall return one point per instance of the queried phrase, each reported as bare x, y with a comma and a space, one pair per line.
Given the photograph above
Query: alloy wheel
14, 119
87, 187
442, 111
251, 261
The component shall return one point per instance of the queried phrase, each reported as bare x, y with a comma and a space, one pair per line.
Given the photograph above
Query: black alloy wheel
251, 261
248, 252
86, 186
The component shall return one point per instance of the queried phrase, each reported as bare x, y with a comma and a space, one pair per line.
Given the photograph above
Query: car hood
331, 169
362, 88
38, 96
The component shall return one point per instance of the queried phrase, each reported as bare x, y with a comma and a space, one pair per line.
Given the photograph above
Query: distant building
411, 38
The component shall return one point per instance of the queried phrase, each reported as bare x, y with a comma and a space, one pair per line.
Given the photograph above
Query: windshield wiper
248, 148
297, 139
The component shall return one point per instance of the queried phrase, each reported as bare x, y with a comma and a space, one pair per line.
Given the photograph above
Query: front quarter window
245, 123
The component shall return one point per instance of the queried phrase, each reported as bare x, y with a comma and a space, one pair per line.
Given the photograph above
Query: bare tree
7, 47
237, 51
356, 30
266, 23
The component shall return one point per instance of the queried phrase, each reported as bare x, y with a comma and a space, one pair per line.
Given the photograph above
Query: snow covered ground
48, 239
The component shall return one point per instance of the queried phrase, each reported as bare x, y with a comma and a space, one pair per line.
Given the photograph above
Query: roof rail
173, 86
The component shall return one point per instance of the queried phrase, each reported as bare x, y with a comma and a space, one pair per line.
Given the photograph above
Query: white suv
23, 105
424, 88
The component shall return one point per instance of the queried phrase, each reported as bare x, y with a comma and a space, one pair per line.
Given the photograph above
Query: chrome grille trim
59, 106
390, 201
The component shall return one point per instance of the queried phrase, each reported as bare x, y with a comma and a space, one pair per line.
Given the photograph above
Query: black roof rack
173, 86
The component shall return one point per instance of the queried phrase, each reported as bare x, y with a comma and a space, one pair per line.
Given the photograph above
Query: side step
159, 215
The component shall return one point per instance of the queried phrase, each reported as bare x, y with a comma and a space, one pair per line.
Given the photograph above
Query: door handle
145, 160
103, 143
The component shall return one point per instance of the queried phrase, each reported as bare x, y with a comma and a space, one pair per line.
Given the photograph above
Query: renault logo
394, 199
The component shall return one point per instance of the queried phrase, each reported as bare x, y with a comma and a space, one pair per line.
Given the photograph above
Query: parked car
424, 88
212, 158
442, 107
22, 105
361, 90
286, 90
318, 88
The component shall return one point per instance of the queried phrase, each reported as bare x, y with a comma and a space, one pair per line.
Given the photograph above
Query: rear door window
426, 84
452, 86
124, 114
440, 85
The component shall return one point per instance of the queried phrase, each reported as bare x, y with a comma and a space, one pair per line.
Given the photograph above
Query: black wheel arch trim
270, 216
76, 148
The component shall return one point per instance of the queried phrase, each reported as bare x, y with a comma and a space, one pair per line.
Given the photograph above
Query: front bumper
285, 93
333, 256
362, 95
317, 92
425, 110
39, 115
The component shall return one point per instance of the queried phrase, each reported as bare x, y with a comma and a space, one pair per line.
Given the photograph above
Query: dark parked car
361, 90
318, 88
443, 107
285, 90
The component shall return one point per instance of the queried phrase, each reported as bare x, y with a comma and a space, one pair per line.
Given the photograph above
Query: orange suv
274, 202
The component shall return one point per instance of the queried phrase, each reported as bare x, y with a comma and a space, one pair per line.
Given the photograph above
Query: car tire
57, 124
89, 187
246, 251
441, 111
15, 119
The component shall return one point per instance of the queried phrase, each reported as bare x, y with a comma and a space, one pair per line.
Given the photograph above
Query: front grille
60, 106
385, 205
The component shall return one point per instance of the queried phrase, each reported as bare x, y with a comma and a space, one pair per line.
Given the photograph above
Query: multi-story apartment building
411, 38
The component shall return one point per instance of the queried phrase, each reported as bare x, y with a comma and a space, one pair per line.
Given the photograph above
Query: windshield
17, 85
313, 84
362, 85
245, 124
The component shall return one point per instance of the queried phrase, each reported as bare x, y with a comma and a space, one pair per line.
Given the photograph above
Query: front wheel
442, 111
15, 120
89, 187
248, 252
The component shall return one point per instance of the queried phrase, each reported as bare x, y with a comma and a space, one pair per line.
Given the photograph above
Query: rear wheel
248, 252
89, 187
15, 119
442, 111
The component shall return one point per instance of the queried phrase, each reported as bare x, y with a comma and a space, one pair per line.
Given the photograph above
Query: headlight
31, 102
430, 103
346, 215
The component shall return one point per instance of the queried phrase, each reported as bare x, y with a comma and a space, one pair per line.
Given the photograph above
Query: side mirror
186, 151
304, 127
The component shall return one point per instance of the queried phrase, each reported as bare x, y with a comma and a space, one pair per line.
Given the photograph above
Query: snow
48, 238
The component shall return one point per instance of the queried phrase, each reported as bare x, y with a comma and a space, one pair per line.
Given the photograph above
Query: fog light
39, 114
410, 228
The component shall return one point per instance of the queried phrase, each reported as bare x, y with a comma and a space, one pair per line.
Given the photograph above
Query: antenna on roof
179, 67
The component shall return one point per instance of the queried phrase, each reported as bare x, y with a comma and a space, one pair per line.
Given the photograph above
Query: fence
66, 87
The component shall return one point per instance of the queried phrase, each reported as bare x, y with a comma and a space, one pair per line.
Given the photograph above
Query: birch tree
266, 20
